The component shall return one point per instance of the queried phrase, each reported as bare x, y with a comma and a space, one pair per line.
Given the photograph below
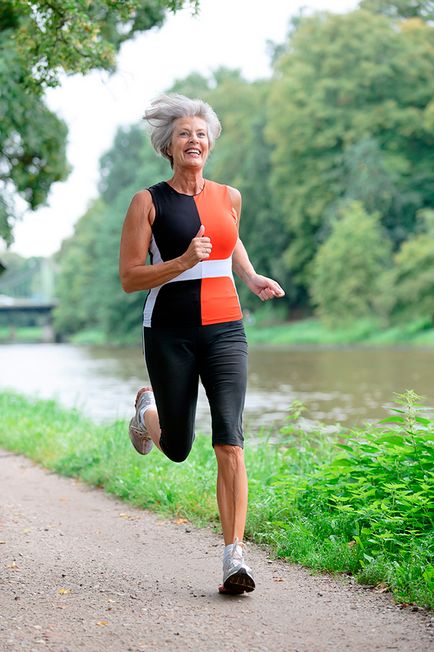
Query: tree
76, 288
401, 8
21, 275
414, 274
39, 40
347, 269
342, 81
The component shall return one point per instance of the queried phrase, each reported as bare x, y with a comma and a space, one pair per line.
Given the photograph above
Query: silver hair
165, 109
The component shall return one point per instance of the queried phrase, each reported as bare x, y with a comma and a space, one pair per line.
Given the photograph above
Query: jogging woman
192, 320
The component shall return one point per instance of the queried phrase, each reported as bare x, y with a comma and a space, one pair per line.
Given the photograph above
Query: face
190, 146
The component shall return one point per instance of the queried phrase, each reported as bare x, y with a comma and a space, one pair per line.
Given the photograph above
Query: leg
223, 372
231, 491
152, 424
171, 362
224, 376
232, 502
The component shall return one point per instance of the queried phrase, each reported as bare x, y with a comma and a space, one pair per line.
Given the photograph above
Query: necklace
185, 193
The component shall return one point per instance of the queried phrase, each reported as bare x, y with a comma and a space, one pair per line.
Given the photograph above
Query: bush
348, 266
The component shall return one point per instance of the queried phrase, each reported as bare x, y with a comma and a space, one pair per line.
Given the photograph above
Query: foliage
413, 275
22, 278
359, 503
39, 40
401, 8
76, 36
76, 289
342, 81
365, 501
348, 265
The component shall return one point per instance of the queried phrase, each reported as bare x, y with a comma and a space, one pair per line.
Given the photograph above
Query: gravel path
82, 571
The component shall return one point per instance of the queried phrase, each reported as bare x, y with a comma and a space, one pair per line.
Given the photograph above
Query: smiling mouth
193, 151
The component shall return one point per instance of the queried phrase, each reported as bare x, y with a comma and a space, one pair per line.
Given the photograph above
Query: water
339, 386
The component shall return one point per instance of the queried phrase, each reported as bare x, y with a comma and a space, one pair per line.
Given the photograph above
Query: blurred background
328, 131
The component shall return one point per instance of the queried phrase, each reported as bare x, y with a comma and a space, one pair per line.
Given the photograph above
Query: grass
308, 332
21, 334
265, 330
358, 503
313, 331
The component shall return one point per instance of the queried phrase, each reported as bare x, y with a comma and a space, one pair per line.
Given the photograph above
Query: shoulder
141, 206
235, 196
234, 193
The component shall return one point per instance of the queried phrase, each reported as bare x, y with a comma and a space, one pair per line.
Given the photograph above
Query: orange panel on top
219, 219
219, 300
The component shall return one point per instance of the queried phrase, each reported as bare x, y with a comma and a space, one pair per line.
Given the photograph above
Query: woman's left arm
265, 288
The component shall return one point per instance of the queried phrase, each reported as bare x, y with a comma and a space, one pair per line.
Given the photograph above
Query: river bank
311, 332
357, 503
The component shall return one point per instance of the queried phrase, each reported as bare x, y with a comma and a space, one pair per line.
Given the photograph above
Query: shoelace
235, 553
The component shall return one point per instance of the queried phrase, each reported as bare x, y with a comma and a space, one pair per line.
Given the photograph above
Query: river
340, 387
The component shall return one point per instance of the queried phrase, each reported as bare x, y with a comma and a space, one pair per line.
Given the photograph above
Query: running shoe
237, 576
137, 430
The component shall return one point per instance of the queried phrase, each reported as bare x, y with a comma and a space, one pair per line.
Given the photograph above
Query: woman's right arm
135, 275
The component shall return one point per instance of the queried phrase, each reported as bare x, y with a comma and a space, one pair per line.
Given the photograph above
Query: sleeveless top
204, 294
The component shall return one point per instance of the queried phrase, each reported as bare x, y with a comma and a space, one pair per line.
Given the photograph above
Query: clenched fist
198, 249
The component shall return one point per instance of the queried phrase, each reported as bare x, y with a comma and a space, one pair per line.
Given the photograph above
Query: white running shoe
237, 576
137, 430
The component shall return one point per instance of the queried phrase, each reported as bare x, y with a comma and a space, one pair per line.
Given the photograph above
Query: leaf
393, 420
128, 517
13, 565
63, 591
391, 439
423, 421
181, 521
102, 623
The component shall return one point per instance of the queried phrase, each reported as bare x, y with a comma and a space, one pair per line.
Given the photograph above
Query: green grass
21, 334
359, 502
308, 332
313, 331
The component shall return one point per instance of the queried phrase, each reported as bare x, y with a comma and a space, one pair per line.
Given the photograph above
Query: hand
199, 249
265, 288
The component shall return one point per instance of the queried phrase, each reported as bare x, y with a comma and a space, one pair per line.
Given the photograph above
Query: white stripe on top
204, 269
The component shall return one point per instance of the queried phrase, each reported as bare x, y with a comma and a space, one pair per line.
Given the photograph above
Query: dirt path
80, 570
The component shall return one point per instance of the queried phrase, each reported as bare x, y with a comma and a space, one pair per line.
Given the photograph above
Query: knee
175, 453
228, 455
177, 456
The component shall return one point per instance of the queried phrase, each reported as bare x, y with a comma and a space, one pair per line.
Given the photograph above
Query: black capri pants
176, 357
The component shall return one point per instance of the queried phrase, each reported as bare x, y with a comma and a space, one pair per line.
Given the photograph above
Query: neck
187, 182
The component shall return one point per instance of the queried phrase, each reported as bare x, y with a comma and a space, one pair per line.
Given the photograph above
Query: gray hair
165, 109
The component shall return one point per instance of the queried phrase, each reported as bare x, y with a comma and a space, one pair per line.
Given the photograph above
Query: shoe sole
239, 582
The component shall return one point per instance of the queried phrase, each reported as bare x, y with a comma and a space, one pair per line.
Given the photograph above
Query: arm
265, 288
135, 275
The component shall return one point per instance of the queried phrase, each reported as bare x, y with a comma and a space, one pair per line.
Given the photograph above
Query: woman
192, 320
